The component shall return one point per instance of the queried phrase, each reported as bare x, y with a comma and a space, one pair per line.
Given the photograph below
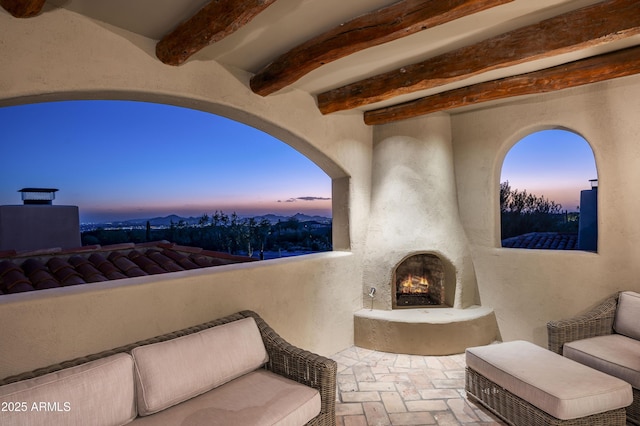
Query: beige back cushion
627, 320
171, 372
99, 393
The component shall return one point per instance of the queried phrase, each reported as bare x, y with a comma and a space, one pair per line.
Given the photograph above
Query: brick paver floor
385, 389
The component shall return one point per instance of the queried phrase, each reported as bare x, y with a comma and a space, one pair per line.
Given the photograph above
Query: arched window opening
548, 193
141, 172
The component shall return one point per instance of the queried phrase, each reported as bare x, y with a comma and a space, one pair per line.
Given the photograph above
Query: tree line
227, 233
522, 212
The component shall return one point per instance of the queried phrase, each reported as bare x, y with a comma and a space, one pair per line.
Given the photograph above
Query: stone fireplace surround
414, 211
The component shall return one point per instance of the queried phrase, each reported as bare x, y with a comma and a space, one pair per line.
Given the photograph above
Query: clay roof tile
147, 264
50, 268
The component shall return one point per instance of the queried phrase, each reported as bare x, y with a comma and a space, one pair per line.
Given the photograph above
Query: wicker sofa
606, 338
233, 370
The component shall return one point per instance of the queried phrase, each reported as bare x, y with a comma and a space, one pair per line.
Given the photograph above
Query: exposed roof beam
383, 25
212, 23
590, 26
585, 71
23, 8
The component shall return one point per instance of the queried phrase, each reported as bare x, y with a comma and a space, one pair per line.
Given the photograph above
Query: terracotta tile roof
543, 240
51, 268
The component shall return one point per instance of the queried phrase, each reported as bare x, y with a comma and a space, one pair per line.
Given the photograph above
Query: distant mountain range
166, 220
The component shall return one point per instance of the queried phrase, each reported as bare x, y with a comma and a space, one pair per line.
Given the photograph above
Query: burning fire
414, 285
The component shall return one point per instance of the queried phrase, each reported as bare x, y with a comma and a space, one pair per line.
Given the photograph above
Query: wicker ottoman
524, 384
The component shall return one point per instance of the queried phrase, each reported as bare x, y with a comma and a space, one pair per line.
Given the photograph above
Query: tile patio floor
379, 388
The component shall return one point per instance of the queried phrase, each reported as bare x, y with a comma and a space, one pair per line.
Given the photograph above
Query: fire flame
413, 285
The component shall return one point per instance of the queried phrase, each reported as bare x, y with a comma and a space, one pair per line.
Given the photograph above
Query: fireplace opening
418, 281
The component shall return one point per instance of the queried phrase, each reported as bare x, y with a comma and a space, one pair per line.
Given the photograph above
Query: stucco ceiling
286, 24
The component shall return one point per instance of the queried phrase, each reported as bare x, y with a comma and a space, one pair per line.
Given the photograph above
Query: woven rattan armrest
596, 322
284, 359
302, 366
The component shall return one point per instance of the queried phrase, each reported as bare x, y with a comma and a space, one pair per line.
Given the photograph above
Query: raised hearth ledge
425, 331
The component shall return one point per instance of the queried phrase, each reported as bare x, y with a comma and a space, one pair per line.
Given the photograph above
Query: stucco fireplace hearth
425, 298
426, 315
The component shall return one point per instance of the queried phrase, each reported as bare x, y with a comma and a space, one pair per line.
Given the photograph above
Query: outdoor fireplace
418, 281
419, 286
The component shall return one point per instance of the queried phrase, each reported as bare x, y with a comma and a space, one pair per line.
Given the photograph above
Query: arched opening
144, 167
548, 193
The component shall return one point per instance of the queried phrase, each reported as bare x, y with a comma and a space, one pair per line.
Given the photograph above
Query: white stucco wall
310, 300
304, 299
527, 288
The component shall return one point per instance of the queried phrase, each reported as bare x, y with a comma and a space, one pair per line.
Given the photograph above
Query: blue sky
556, 164
122, 160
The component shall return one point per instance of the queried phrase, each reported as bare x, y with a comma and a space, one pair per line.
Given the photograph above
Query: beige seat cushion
614, 354
558, 386
627, 317
99, 393
170, 372
257, 398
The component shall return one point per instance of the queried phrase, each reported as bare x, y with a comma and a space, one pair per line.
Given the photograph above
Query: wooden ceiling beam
372, 29
585, 71
594, 25
22, 8
212, 23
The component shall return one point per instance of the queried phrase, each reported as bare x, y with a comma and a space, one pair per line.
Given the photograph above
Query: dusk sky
556, 164
120, 160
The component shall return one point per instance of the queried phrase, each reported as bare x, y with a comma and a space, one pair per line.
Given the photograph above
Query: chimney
588, 224
37, 224
38, 195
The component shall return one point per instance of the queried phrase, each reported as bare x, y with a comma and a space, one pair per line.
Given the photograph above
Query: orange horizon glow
311, 208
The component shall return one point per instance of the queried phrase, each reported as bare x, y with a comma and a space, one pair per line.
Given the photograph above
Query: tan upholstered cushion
627, 320
614, 354
99, 393
170, 372
257, 398
559, 386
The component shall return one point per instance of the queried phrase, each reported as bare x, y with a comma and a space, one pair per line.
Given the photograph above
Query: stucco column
414, 209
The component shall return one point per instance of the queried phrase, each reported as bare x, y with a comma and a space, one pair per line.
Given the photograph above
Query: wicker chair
598, 321
284, 359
